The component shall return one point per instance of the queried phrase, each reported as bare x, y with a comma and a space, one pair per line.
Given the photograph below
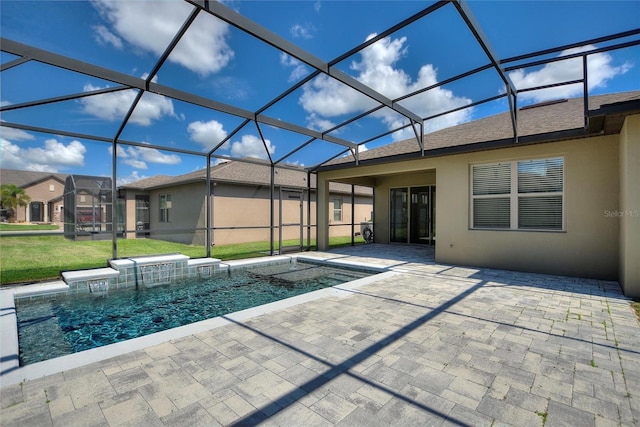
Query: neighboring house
562, 199
171, 208
45, 190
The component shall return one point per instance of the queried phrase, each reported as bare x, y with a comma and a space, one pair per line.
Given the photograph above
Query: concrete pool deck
426, 344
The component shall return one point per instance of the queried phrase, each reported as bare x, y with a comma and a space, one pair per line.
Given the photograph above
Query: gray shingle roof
148, 183
544, 118
237, 172
25, 179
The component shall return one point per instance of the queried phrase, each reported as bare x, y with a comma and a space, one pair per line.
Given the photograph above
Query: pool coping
12, 373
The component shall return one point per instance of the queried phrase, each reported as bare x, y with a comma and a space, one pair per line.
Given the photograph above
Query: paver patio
429, 345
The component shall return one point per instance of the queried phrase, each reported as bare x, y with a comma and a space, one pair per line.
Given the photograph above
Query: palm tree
12, 196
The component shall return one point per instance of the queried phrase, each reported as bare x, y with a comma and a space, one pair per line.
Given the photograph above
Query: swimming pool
58, 325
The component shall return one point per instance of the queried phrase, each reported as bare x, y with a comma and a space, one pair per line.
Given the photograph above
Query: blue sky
222, 63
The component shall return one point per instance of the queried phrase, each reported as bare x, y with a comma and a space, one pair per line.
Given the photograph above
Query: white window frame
166, 209
334, 210
514, 195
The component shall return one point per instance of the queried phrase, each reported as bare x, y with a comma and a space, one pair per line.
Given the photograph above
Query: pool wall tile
201, 267
81, 281
127, 273
41, 290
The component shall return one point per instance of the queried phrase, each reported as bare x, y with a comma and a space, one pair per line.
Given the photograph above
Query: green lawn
27, 227
33, 258
636, 307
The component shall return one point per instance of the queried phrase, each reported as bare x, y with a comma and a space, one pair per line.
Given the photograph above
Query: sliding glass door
399, 218
419, 214
412, 215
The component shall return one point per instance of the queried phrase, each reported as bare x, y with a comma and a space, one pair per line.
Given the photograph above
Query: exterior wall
130, 214
187, 212
588, 247
244, 206
362, 213
234, 207
629, 211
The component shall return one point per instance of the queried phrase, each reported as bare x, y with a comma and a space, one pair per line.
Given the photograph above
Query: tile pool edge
12, 373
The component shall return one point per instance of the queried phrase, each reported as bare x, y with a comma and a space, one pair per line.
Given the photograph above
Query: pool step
39, 324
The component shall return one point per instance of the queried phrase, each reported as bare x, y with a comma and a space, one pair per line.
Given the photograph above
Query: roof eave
468, 148
609, 118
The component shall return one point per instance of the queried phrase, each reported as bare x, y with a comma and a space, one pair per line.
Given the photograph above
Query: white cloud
297, 163
325, 97
10, 158
103, 36
599, 68
251, 146
115, 105
51, 157
135, 163
152, 107
299, 69
319, 123
133, 177
138, 157
302, 31
208, 134
150, 26
13, 134
152, 155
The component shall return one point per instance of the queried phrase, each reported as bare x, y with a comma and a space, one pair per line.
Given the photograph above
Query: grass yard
35, 258
636, 307
27, 227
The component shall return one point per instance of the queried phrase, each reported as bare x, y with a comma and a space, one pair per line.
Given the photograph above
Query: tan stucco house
561, 198
45, 190
172, 207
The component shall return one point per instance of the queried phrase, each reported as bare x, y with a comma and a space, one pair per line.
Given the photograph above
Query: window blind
543, 212
540, 176
492, 179
494, 212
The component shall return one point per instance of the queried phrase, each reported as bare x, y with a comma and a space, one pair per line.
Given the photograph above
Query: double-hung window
165, 207
337, 209
518, 195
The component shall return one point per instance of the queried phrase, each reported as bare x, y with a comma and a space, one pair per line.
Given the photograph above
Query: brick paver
431, 345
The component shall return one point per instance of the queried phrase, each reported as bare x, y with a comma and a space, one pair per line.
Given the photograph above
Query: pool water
65, 324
